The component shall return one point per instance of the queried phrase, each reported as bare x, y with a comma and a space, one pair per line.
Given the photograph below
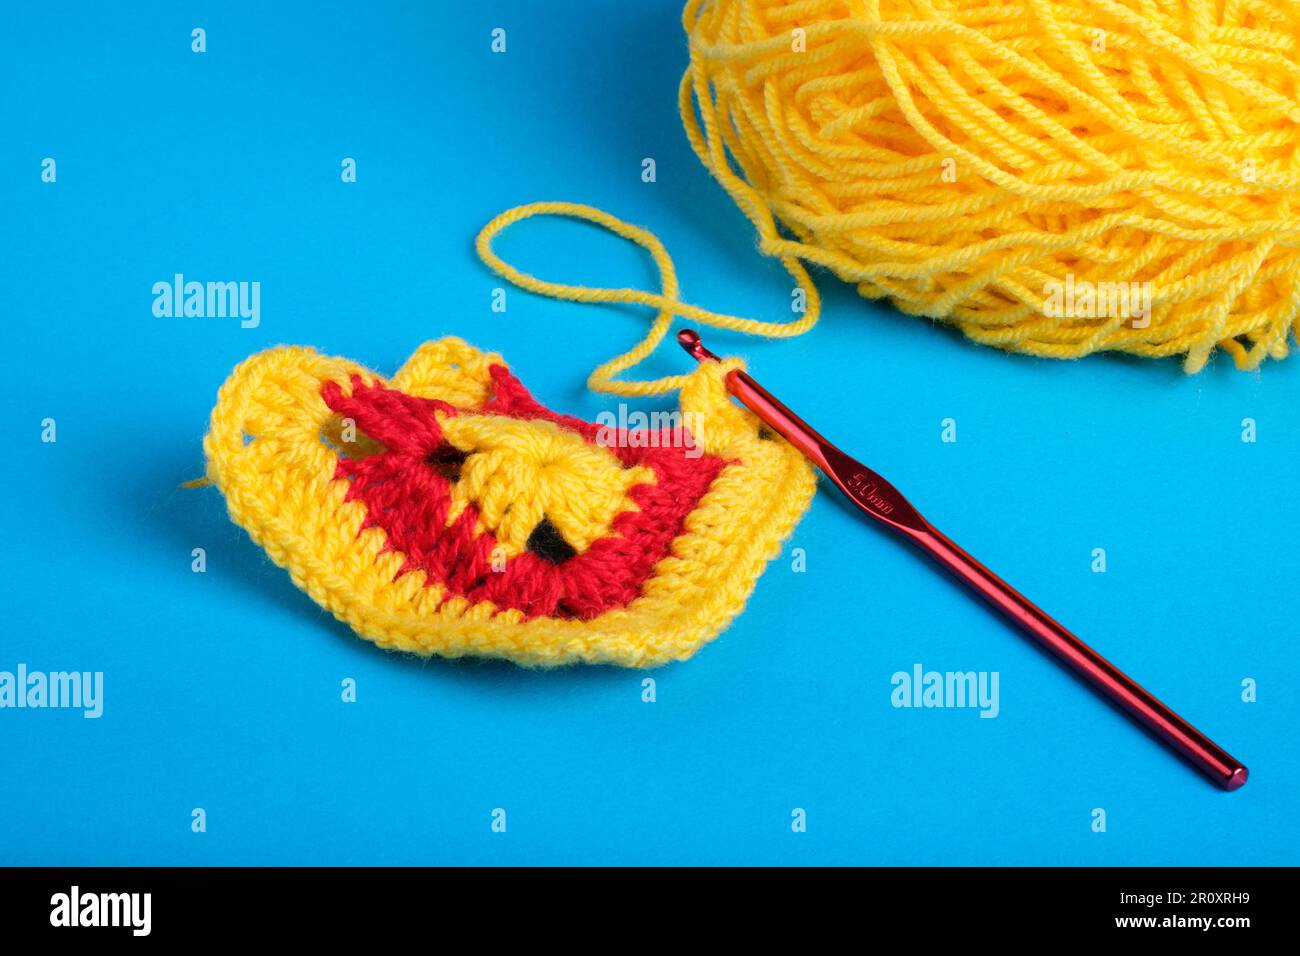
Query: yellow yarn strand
666, 301
962, 157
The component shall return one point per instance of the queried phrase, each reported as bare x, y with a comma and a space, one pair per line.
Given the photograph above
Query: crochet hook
881, 501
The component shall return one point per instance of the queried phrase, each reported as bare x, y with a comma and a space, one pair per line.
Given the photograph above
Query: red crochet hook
879, 499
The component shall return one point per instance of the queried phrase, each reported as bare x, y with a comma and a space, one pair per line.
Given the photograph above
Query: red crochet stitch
406, 489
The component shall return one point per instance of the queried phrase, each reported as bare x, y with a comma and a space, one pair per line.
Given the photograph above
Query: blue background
223, 689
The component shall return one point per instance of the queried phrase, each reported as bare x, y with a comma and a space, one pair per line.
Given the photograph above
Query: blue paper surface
222, 690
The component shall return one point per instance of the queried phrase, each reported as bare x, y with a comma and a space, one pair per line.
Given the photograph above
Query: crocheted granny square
447, 512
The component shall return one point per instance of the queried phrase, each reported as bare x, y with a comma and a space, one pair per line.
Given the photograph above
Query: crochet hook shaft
880, 500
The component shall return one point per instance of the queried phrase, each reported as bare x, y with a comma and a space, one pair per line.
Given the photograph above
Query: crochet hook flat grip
880, 500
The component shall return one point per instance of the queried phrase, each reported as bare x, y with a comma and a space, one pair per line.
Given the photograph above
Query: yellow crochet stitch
275, 449
969, 159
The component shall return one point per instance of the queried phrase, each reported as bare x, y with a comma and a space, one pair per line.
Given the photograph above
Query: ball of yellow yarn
1030, 171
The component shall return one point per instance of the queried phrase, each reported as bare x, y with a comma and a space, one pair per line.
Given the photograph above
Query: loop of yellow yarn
666, 302
1085, 141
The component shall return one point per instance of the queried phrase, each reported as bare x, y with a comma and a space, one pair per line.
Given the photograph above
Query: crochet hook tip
689, 339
